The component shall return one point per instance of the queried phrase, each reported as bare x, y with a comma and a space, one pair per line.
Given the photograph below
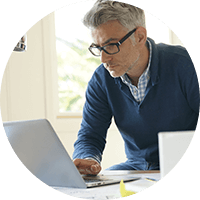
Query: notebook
38, 147
172, 146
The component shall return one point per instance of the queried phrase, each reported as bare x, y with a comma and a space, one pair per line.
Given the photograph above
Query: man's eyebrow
107, 41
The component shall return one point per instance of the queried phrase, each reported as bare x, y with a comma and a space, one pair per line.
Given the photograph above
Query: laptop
172, 146
38, 147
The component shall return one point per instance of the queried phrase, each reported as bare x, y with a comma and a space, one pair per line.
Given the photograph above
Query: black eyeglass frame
116, 44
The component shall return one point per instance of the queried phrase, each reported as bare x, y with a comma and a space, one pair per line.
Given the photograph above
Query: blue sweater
171, 103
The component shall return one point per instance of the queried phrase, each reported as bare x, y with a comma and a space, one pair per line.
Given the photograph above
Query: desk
113, 191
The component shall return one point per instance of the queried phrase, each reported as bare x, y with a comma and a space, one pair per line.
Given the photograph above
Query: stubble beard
106, 65
132, 65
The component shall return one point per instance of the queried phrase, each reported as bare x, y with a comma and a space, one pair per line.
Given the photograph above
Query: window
75, 63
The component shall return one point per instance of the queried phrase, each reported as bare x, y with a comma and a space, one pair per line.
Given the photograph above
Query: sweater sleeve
191, 86
193, 93
96, 121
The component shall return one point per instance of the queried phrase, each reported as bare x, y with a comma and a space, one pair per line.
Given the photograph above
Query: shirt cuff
91, 158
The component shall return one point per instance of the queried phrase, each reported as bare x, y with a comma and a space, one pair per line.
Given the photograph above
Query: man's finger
77, 161
86, 166
96, 168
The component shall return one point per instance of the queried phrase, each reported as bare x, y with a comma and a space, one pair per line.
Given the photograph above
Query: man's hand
86, 166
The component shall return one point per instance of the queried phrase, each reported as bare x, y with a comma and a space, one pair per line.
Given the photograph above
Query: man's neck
141, 67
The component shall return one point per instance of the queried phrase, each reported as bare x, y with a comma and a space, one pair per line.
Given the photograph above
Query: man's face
122, 62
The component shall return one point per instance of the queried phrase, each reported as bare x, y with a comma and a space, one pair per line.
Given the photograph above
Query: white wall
23, 94
29, 87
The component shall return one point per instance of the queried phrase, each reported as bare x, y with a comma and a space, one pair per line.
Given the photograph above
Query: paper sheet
111, 191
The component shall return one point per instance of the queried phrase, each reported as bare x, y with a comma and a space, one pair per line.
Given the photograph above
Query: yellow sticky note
123, 191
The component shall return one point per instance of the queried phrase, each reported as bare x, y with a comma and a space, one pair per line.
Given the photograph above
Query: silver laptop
172, 146
39, 148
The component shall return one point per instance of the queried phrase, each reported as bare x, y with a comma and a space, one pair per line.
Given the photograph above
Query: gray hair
104, 10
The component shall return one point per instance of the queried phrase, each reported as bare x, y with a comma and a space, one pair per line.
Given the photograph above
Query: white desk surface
113, 191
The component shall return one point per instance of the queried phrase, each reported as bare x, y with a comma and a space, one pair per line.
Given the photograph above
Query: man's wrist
91, 158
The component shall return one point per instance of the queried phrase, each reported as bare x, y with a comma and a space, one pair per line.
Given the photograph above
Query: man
146, 87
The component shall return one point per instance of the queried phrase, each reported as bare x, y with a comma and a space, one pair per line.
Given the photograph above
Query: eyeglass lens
110, 49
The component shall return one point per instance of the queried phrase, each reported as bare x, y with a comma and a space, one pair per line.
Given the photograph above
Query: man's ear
140, 37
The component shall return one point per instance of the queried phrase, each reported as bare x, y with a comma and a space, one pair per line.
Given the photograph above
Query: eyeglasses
111, 48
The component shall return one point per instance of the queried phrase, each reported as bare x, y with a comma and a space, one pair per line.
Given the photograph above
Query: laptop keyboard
91, 179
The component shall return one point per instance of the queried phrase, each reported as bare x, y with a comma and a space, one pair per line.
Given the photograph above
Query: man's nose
105, 57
